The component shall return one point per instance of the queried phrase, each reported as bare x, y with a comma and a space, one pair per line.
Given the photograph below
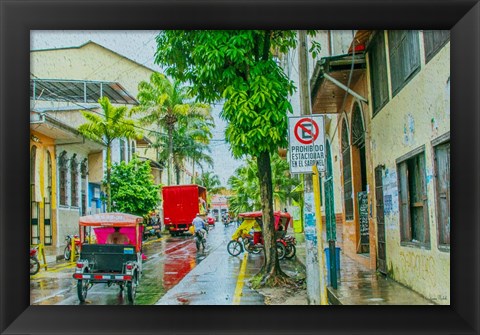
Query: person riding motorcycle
199, 225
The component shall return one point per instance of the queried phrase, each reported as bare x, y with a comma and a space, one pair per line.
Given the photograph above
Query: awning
110, 219
330, 81
61, 133
80, 91
152, 162
143, 142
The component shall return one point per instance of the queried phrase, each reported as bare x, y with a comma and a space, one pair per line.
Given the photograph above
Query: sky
139, 46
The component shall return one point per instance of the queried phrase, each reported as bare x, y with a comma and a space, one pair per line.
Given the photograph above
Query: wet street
174, 273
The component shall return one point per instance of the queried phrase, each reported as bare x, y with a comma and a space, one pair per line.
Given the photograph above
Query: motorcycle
200, 239
150, 230
67, 252
34, 263
290, 249
246, 243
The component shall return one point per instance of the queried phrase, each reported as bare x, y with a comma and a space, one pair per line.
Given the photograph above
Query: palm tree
106, 127
163, 103
210, 181
192, 138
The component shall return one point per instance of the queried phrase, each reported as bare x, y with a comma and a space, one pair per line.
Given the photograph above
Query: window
340, 41
74, 180
442, 185
122, 150
347, 173
62, 166
378, 72
412, 195
404, 57
83, 174
434, 40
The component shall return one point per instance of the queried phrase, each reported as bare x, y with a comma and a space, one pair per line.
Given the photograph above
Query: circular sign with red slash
306, 131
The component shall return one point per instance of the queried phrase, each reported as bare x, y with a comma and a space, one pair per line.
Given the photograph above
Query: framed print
393, 23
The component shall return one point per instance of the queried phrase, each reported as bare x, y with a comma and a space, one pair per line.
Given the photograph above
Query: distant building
218, 206
67, 169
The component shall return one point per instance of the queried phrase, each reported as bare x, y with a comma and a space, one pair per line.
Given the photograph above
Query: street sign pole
318, 219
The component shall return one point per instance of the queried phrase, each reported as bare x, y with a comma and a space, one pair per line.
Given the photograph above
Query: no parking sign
306, 143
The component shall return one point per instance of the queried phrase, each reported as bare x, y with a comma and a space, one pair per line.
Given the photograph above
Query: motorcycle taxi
103, 262
243, 239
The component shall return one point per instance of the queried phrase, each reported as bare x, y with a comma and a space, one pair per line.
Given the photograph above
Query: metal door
382, 252
329, 199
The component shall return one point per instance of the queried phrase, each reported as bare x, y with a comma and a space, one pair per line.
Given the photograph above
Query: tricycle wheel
82, 288
280, 250
234, 248
290, 251
131, 290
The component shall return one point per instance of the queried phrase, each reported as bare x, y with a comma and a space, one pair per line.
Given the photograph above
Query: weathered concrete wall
417, 115
67, 223
95, 167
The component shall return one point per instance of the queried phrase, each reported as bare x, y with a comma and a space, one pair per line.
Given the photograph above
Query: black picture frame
19, 17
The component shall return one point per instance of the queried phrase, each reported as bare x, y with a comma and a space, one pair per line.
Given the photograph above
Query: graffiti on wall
422, 265
390, 192
408, 129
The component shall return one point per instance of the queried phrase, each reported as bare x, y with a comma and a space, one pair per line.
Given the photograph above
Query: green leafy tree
106, 127
162, 103
240, 68
245, 186
133, 188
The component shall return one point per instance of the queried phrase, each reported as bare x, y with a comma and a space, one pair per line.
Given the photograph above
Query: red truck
181, 204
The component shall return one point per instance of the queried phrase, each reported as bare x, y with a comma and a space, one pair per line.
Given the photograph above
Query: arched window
133, 149
74, 181
358, 141
34, 208
122, 150
347, 172
83, 174
48, 202
62, 169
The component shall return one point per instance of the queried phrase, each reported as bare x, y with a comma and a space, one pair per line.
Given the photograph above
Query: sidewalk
359, 285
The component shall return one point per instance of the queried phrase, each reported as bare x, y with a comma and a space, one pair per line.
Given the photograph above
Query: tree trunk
109, 173
272, 274
170, 154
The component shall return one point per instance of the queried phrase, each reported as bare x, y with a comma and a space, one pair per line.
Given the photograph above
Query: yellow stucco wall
45, 147
418, 114
90, 62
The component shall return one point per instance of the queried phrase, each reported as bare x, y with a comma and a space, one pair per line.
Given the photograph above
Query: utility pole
315, 275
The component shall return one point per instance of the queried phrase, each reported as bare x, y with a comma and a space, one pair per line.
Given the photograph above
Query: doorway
359, 174
382, 248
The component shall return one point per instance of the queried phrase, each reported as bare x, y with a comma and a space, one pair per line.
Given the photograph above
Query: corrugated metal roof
79, 91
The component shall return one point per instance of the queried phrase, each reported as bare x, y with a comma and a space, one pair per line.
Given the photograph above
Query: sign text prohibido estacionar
306, 136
